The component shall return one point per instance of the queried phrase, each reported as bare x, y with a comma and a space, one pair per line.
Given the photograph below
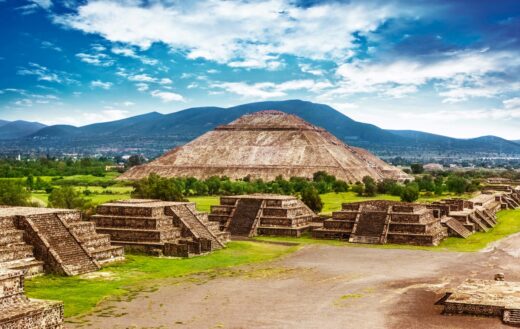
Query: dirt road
318, 287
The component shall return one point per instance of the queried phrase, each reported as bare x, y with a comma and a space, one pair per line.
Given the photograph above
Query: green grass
204, 203
508, 223
139, 272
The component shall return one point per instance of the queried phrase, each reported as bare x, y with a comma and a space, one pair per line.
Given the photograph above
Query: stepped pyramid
159, 227
54, 240
264, 145
263, 214
382, 222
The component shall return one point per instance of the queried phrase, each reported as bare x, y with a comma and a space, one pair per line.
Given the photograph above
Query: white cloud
167, 96
128, 103
512, 103
101, 84
45, 4
270, 89
130, 52
165, 81
458, 76
98, 59
84, 118
307, 68
43, 73
245, 33
50, 45
142, 86
142, 78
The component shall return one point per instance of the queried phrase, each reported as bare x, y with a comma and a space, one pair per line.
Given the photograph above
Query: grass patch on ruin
80, 295
508, 223
204, 203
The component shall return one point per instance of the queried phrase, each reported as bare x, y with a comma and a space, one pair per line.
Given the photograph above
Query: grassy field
138, 273
508, 223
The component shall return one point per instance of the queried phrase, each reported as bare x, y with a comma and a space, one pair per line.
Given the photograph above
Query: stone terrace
18, 311
159, 227
383, 222
54, 240
485, 298
262, 214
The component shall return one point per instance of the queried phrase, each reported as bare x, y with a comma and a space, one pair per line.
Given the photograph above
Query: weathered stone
54, 240
265, 145
485, 298
383, 222
262, 214
159, 227
18, 311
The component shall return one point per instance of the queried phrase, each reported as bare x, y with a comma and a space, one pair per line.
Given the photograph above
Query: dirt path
318, 287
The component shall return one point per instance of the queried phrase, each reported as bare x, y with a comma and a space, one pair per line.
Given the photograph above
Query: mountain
18, 129
154, 133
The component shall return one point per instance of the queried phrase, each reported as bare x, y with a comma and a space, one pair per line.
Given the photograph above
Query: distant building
433, 167
115, 167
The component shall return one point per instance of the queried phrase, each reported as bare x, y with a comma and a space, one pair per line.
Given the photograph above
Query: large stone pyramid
264, 145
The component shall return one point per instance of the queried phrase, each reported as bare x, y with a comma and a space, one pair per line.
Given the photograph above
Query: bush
410, 193
14, 193
69, 198
311, 198
156, 187
370, 186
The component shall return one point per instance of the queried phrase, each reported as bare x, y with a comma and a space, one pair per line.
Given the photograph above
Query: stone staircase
511, 317
244, 216
15, 254
370, 227
98, 246
196, 224
481, 226
18, 311
485, 218
458, 228
62, 247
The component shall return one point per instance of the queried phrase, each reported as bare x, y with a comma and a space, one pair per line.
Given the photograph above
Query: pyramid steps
457, 227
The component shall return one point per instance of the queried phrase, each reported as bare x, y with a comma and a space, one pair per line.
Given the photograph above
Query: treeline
53, 167
177, 189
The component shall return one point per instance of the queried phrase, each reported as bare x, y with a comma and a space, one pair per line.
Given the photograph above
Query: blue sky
447, 67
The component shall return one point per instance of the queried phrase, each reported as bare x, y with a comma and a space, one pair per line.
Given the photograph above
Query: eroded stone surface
265, 145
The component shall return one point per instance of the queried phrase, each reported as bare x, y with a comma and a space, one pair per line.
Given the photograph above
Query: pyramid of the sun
265, 145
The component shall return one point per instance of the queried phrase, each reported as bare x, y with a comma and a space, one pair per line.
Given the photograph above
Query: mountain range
154, 133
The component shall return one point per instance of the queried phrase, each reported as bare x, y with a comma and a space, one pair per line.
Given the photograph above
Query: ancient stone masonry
54, 240
159, 227
464, 217
383, 222
265, 145
262, 214
484, 298
18, 311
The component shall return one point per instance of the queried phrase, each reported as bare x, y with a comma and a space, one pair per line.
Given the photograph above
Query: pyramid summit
265, 145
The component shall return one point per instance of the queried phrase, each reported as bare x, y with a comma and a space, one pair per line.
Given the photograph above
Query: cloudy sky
448, 67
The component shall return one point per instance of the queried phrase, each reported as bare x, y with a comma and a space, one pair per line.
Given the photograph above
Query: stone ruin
265, 145
381, 222
17, 311
497, 298
478, 214
159, 227
52, 240
262, 214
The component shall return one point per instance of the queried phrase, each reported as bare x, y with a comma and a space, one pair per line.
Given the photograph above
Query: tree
13, 193
69, 198
135, 160
358, 188
156, 187
457, 184
417, 168
30, 182
311, 198
370, 186
410, 193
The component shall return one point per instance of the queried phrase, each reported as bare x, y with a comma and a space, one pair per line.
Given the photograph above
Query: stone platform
52, 240
18, 311
382, 222
262, 214
485, 298
159, 227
